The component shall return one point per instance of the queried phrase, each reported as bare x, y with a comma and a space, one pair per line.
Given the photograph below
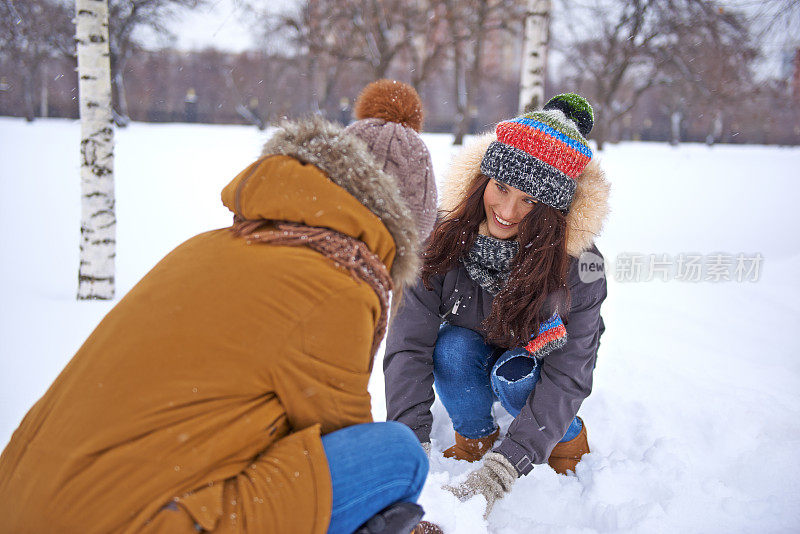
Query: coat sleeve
566, 380
325, 370
408, 362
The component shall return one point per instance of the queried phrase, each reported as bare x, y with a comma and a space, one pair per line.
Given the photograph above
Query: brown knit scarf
346, 252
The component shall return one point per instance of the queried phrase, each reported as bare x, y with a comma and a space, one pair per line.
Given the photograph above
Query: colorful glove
552, 336
492, 480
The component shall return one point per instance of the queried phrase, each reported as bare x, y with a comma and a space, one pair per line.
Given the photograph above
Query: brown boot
471, 450
425, 527
565, 456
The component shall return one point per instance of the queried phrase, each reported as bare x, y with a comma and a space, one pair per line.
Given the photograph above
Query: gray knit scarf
489, 261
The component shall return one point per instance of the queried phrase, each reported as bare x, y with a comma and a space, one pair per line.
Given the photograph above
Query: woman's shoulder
587, 276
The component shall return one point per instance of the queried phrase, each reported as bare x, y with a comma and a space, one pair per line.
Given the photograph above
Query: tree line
666, 70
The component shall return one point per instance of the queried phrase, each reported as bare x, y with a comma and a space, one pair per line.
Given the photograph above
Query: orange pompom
391, 101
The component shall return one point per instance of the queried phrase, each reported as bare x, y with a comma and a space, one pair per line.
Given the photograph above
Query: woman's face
505, 207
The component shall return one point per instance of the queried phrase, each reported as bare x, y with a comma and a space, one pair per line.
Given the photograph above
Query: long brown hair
538, 278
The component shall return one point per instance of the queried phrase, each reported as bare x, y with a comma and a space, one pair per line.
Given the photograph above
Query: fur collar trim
346, 160
587, 213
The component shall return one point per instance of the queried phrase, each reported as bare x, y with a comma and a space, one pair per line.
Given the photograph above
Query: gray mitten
426, 446
492, 480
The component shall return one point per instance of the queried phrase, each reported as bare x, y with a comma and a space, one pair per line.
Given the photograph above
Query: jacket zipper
454, 311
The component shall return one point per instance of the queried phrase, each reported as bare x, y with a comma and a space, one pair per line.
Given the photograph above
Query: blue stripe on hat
574, 144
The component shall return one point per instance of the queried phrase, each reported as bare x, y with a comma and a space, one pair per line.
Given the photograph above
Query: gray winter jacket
566, 377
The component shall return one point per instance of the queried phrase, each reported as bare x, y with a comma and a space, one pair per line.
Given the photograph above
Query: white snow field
694, 422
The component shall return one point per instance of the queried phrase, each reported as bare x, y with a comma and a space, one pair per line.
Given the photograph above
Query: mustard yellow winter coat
201, 397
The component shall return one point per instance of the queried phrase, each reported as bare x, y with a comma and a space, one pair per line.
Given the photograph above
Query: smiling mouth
502, 222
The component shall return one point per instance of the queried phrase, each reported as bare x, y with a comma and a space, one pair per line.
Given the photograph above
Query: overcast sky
219, 24
223, 24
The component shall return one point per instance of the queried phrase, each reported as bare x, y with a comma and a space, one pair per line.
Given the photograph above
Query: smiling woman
499, 311
505, 207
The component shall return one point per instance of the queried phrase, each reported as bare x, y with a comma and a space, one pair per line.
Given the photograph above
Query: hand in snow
492, 480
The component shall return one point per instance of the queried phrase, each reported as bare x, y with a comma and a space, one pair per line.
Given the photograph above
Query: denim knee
513, 378
408, 449
515, 369
457, 349
372, 466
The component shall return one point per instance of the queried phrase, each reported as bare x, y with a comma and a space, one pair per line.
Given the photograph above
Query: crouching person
227, 391
502, 310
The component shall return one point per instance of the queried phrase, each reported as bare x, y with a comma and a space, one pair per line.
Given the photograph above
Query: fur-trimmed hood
587, 213
347, 162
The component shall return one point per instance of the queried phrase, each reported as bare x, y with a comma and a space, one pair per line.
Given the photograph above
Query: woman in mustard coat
227, 391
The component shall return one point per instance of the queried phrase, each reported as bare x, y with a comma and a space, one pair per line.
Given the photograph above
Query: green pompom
576, 108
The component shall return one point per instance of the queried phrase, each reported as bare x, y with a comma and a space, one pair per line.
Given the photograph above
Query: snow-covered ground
694, 422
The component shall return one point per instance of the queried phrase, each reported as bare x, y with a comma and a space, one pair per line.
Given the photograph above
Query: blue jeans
469, 374
372, 466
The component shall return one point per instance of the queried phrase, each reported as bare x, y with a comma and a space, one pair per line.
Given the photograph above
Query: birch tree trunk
98, 221
534, 55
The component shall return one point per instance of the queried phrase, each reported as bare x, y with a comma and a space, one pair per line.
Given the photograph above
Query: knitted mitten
426, 446
492, 480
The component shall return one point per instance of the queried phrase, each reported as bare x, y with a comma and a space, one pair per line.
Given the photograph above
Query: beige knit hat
390, 117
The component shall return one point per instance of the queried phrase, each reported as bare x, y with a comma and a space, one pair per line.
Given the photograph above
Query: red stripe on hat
543, 146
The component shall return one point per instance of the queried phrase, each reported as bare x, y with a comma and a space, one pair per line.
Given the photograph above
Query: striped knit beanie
542, 152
